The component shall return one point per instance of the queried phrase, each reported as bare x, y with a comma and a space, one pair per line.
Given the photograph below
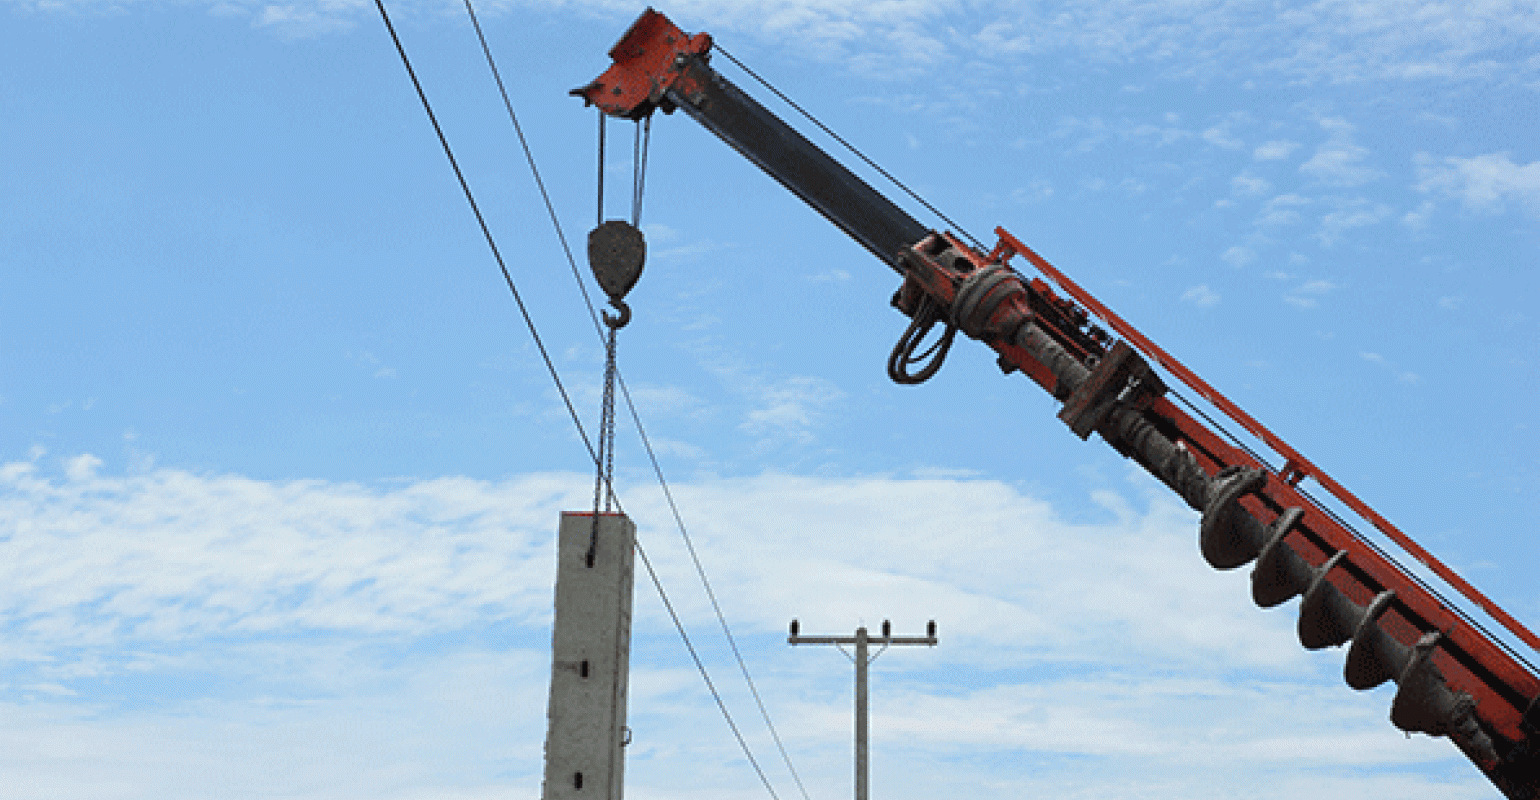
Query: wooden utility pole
862, 641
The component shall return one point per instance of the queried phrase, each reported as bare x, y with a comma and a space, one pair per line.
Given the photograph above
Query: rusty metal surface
616, 253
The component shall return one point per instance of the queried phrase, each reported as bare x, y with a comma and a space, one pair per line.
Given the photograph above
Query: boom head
650, 59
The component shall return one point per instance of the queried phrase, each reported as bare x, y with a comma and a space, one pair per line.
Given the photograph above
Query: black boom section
786, 155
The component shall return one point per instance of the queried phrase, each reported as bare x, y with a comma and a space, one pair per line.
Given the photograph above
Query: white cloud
1326, 42
1418, 217
1339, 161
169, 555
82, 467
1482, 183
303, 20
1238, 256
1275, 150
1086, 134
788, 410
1163, 135
1035, 192
1245, 184
1349, 214
1308, 294
1221, 136
656, 399
831, 276
1201, 296
359, 641
1282, 210
1400, 375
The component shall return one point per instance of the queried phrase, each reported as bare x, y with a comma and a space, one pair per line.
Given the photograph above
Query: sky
281, 467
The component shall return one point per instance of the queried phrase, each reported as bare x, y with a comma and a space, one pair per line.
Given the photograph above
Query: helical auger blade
1231, 537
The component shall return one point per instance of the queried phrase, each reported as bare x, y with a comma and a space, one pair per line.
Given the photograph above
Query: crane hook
616, 252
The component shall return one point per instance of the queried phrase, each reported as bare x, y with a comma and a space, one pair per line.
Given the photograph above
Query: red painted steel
650, 67
648, 62
1296, 466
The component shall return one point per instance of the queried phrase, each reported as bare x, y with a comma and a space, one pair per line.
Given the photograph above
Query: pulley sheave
616, 252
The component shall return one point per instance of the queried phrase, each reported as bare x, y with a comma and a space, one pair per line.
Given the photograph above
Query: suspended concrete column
590, 648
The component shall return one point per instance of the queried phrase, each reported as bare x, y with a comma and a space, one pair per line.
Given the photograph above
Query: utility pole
861, 641
590, 658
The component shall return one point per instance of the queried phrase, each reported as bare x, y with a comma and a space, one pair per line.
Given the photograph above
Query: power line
555, 376
639, 155
486, 232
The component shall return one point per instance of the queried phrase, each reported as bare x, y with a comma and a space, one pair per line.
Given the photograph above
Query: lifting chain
616, 252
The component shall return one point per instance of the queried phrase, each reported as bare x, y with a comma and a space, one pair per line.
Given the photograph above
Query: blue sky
280, 469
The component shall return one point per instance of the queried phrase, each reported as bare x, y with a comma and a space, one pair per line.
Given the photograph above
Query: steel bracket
1121, 377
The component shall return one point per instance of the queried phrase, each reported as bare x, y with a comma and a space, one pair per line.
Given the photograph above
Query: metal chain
607, 422
604, 480
603, 463
604, 493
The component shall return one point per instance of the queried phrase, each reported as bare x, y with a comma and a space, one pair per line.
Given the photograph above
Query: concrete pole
590, 659
861, 662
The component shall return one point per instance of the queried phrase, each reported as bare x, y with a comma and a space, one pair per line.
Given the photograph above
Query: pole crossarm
925, 640
861, 641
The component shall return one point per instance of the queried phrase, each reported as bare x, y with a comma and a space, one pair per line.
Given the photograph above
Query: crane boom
1452, 679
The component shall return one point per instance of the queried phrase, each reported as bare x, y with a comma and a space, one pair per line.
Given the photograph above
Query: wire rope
1234, 439
642, 148
848, 146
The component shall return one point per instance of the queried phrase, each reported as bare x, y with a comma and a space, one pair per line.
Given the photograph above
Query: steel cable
852, 148
566, 398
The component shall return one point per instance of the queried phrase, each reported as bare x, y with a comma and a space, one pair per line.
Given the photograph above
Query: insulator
1222, 537
1375, 656
1280, 573
794, 627
887, 629
930, 629
1326, 617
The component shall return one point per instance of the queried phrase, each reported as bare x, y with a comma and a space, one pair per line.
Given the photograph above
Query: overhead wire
486, 232
1330, 512
1390, 557
640, 150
